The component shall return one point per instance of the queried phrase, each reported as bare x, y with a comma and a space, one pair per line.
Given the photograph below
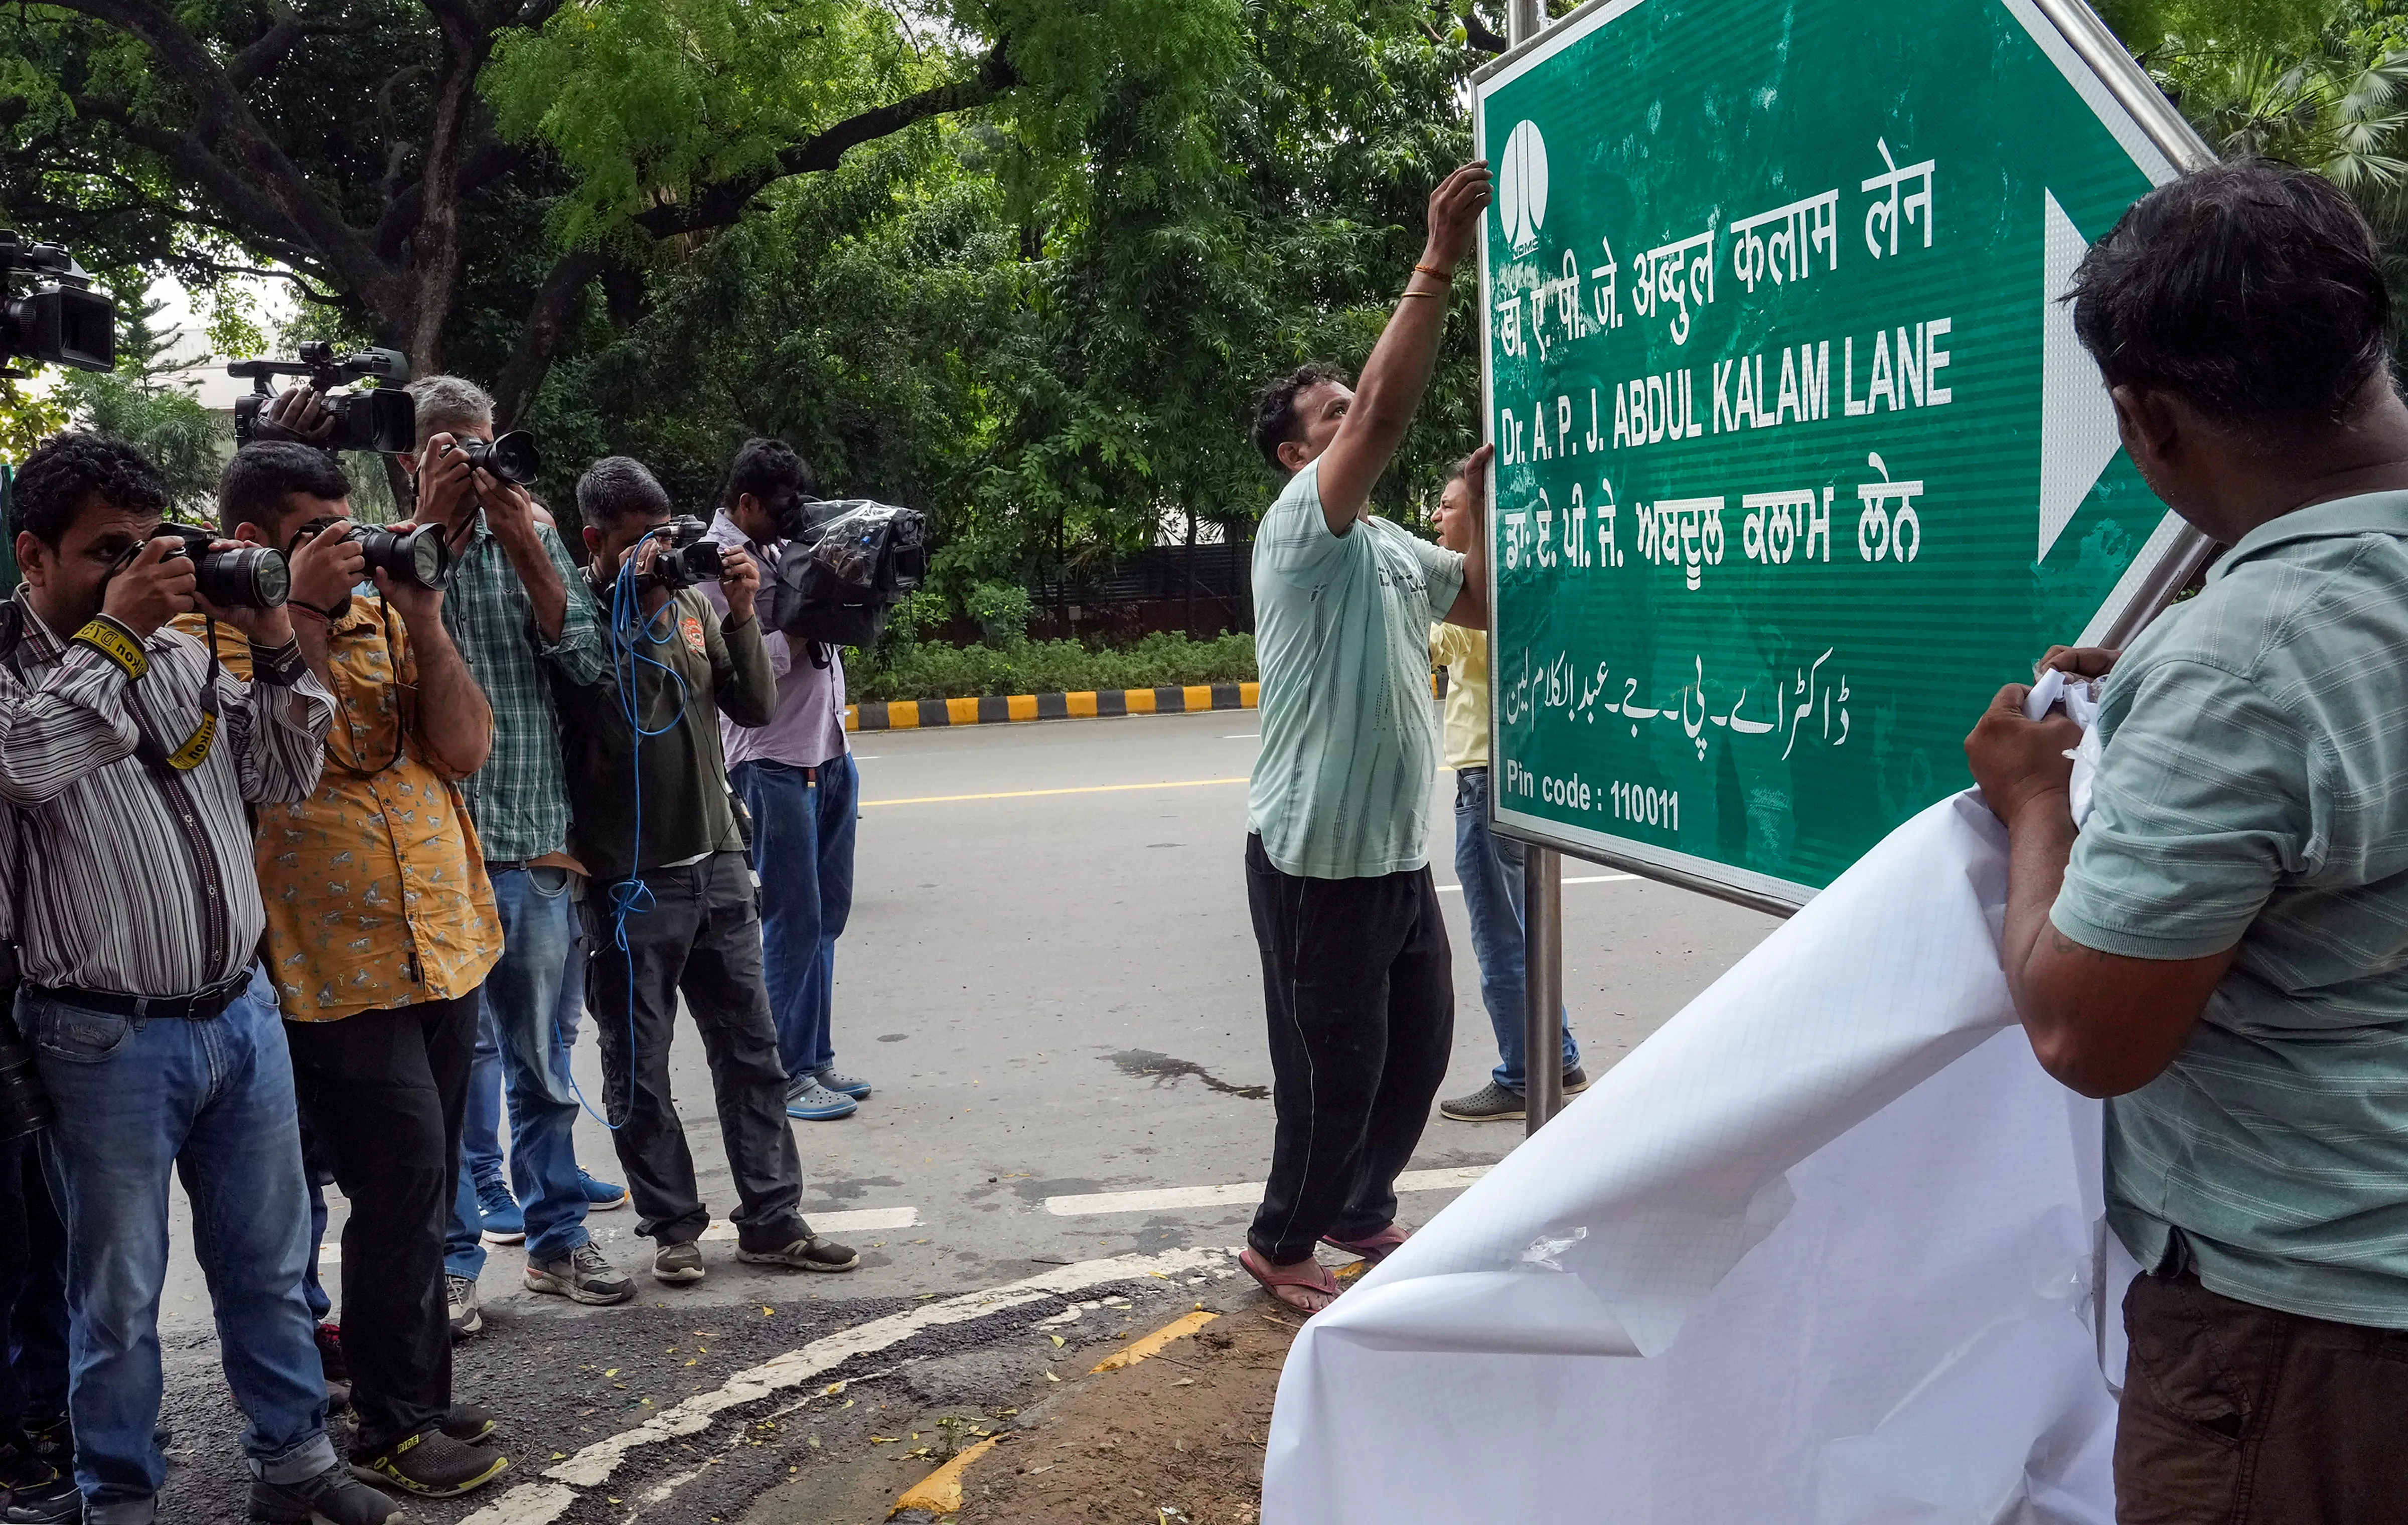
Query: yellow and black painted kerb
916, 714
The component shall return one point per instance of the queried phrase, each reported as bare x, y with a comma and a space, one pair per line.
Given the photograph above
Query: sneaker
432, 1465
674, 1264
38, 1492
601, 1196
585, 1276
332, 1497
53, 1441
504, 1220
815, 1103
843, 1084
459, 1292
809, 1253
1491, 1103
1576, 1081
330, 1353
469, 1424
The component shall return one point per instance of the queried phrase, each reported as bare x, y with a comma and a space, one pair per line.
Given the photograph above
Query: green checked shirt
519, 800
2254, 792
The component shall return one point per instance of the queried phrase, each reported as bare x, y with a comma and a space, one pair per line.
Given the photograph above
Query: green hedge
925, 671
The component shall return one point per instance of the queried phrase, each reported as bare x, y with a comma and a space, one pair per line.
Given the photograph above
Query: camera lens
512, 457
246, 577
420, 555
23, 1107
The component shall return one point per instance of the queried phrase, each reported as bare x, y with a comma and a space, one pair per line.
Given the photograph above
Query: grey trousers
700, 937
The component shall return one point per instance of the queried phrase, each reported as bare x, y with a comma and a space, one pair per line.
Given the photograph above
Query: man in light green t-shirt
1357, 977
2222, 946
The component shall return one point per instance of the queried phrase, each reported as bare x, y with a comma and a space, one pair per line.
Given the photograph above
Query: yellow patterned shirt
375, 887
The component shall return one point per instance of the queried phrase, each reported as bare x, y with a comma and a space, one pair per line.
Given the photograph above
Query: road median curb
1094, 704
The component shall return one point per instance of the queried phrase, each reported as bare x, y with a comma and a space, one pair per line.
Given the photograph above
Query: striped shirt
519, 800
136, 883
2254, 793
1349, 732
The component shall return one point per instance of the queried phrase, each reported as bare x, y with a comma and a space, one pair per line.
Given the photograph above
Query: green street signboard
1797, 456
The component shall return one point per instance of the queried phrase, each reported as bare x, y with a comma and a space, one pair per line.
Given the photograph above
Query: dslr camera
56, 320
232, 577
381, 419
421, 556
511, 457
688, 560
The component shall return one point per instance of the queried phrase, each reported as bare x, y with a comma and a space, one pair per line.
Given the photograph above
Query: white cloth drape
1827, 1248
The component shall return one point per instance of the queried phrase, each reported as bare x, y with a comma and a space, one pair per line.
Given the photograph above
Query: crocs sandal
1372, 1247
1312, 1276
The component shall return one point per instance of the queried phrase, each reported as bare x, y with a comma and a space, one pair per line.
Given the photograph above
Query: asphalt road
1050, 980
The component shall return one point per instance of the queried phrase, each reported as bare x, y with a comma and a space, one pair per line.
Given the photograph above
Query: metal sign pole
1543, 870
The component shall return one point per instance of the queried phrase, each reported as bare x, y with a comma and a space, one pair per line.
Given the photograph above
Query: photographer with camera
521, 616
798, 782
130, 757
671, 905
380, 927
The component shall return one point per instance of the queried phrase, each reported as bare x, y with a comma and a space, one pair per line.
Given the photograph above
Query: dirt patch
1176, 1439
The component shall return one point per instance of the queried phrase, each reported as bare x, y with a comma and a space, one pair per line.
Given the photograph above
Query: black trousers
701, 937
32, 1290
1359, 986
384, 1093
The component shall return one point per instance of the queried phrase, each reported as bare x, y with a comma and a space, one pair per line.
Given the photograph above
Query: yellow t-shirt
1464, 653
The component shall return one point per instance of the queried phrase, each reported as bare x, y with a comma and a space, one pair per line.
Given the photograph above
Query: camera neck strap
194, 749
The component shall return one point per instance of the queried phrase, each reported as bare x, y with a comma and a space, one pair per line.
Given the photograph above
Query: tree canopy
1020, 263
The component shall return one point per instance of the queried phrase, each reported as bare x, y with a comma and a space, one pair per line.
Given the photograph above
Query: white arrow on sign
2077, 421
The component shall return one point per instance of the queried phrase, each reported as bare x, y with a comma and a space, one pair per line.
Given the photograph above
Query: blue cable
627, 633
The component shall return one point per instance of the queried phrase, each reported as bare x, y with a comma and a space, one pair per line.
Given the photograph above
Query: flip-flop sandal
1312, 1276
1372, 1247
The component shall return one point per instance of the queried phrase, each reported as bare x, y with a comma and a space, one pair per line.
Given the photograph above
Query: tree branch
720, 204
242, 165
1476, 33
540, 339
269, 48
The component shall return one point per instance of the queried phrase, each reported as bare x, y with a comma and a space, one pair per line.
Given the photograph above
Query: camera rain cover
852, 561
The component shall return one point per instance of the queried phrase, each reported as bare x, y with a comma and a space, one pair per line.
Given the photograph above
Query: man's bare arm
1399, 371
2102, 1023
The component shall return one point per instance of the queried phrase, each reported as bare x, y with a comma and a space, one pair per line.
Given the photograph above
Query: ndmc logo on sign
1797, 456
1521, 187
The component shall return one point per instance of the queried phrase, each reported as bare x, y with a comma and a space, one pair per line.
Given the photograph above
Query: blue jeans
1489, 868
519, 1001
480, 1146
802, 850
213, 1101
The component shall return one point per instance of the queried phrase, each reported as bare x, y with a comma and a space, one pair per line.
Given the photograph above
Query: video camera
59, 320
381, 419
688, 560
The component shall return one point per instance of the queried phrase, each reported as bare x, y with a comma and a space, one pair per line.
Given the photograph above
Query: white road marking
1581, 879
1245, 1194
858, 1221
539, 1503
1243, 736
